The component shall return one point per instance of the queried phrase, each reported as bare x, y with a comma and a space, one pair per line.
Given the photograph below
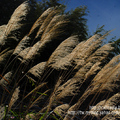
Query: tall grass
49, 73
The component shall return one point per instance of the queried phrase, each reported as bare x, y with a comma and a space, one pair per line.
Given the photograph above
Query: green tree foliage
78, 22
115, 42
53, 3
116, 45
100, 30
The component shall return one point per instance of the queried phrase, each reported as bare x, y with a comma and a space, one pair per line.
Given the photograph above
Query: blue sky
101, 12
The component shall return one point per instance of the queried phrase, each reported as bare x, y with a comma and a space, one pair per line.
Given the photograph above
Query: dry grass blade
7, 79
101, 85
54, 20
56, 30
39, 49
113, 63
36, 88
115, 115
53, 96
91, 67
38, 98
4, 51
4, 79
63, 49
23, 53
46, 22
98, 59
14, 98
79, 53
2, 112
17, 26
101, 53
37, 70
2, 29
61, 110
108, 82
24, 43
89, 47
39, 21
62, 73
107, 79
4, 58
106, 105
65, 62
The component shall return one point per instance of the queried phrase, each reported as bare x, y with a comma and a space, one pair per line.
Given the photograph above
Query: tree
78, 22
116, 45
53, 3
100, 30
115, 42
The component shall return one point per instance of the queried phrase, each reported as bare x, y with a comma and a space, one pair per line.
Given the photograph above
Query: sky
101, 12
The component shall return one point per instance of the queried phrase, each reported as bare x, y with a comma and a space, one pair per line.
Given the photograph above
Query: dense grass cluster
47, 73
